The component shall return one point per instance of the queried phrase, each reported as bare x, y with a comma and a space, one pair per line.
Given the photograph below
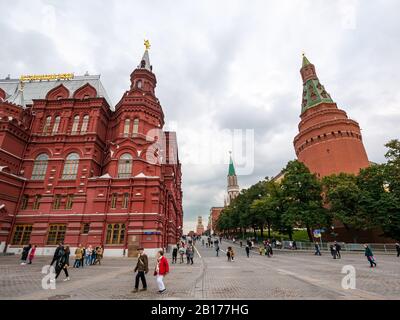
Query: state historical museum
74, 169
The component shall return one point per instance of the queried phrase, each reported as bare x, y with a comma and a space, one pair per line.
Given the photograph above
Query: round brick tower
328, 141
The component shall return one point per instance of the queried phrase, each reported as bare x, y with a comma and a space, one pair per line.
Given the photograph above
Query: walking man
338, 248
248, 251
142, 268
398, 249
217, 249
174, 254
317, 249
57, 253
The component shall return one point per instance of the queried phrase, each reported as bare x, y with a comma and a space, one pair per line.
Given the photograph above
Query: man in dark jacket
57, 253
142, 268
338, 248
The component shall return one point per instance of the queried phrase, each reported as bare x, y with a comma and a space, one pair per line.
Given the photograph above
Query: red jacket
163, 266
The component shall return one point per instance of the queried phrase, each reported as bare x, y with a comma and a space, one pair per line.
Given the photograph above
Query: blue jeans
88, 260
77, 263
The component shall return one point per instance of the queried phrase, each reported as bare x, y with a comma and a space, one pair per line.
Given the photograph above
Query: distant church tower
328, 141
200, 227
233, 187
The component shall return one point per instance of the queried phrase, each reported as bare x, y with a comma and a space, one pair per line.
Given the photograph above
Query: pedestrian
174, 254
57, 253
93, 258
398, 249
241, 243
142, 268
88, 255
189, 254
248, 251
99, 255
78, 256
63, 263
83, 256
202, 242
294, 244
25, 252
32, 254
161, 270
338, 248
370, 256
228, 254
217, 249
273, 242
317, 249
333, 251
181, 253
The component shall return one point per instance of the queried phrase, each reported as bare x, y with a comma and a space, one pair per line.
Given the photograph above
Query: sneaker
52, 280
162, 291
134, 290
144, 289
67, 279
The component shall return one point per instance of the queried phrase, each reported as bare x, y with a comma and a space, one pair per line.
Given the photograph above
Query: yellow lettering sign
40, 77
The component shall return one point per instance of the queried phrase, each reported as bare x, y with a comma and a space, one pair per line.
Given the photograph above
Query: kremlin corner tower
328, 141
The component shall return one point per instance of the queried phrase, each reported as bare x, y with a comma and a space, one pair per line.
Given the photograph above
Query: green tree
303, 205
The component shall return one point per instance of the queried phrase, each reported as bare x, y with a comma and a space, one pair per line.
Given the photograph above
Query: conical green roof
231, 171
314, 92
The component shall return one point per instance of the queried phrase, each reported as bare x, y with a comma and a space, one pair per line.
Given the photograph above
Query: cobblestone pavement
287, 275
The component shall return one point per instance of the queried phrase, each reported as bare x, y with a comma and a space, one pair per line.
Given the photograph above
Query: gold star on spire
147, 44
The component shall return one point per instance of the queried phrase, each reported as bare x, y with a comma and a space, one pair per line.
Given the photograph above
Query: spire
18, 97
231, 171
145, 62
314, 92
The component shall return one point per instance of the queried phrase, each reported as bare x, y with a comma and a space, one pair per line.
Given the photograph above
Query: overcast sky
220, 66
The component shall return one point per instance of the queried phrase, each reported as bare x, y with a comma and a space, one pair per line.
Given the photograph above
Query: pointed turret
314, 92
233, 187
18, 97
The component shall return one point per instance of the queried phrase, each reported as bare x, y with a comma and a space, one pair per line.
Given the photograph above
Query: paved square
287, 275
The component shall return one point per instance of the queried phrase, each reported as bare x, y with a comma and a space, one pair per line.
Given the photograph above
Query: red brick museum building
75, 169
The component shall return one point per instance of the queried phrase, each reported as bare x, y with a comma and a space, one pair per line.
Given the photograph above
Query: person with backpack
62, 263
338, 247
56, 255
370, 256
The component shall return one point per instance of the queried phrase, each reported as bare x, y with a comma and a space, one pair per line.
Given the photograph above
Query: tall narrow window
114, 200
57, 201
125, 201
75, 125
71, 167
68, 204
125, 166
22, 234
85, 228
85, 124
139, 84
135, 126
24, 202
56, 124
115, 233
46, 127
56, 233
36, 203
40, 167
127, 126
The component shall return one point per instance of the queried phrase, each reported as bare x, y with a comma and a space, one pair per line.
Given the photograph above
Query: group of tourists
28, 253
335, 250
183, 249
88, 256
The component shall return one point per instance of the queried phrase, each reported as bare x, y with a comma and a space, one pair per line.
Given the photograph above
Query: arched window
85, 124
139, 84
136, 125
75, 125
125, 166
127, 126
56, 124
40, 167
71, 167
46, 127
